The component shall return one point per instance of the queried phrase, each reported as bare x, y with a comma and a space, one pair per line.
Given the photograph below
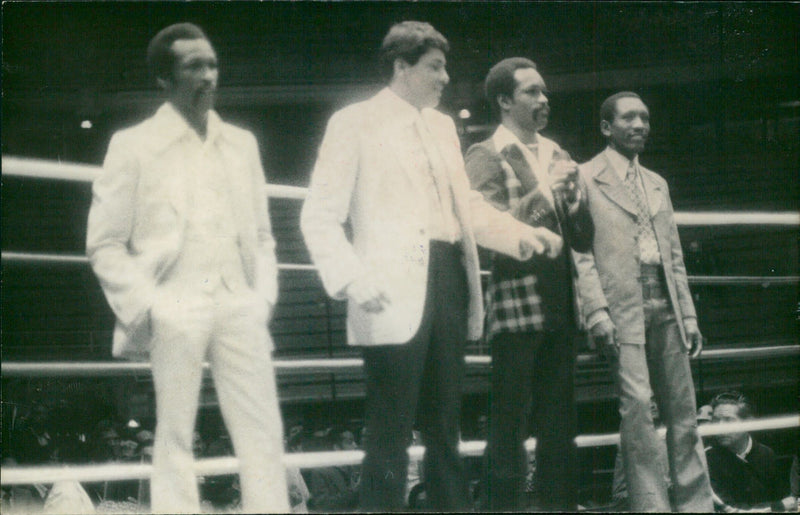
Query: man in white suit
180, 240
391, 168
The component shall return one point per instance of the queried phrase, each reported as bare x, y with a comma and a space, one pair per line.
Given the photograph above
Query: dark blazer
746, 484
487, 167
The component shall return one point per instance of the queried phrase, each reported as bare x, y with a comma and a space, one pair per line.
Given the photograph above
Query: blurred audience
220, 492
113, 441
704, 414
298, 490
334, 489
415, 483
42, 436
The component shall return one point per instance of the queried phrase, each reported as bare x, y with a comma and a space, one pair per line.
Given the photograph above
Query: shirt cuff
690, 321
596, 317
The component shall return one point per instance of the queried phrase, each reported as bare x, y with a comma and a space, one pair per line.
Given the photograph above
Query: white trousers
229, 328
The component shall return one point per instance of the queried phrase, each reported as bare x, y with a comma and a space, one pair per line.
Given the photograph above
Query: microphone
568, 196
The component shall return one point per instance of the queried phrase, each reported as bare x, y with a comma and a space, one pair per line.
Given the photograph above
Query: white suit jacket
137, 220
363, 178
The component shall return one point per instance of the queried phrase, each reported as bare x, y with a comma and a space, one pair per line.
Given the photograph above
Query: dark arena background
722, 81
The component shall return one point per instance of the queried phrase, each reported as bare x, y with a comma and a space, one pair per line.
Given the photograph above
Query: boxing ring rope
700, 280
43, 169
306, 460
36, 257
326, 365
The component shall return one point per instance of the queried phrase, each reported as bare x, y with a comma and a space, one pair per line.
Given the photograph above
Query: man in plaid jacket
531, 320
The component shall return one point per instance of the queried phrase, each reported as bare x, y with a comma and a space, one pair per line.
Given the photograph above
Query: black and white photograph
392, 256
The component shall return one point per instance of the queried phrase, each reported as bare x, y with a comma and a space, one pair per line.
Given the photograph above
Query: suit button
422, 232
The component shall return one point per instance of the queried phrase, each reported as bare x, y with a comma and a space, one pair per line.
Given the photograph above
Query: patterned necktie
648, 246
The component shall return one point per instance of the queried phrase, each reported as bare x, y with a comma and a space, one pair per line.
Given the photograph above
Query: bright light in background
464, 114
86, 124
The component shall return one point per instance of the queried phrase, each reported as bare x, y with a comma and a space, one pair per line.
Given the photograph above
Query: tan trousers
661, 367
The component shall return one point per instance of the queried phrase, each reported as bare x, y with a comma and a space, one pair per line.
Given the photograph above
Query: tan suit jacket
137, 220
362, 178
608, 276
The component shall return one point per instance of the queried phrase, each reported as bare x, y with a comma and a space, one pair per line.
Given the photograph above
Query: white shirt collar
174, 126
401, 110
743, 455
619, 162
503, 137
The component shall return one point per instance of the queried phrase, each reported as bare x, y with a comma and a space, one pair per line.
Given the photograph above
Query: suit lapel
166, 165
398, 153
181, 192
653, 191
514, 156
450, 162
609, 183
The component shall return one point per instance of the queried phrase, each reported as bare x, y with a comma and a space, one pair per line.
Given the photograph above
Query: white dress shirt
424, 157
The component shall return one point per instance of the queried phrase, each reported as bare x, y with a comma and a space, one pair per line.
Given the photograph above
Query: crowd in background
45, 433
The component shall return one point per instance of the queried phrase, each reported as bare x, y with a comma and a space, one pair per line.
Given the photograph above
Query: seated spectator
415, 483
221, 492
530, 479
60, 497
298, 490
105, 442
32, 437
744, 473
40, 438
117, 444
21, 498
145, 439
333, 488
704, 414
68, 497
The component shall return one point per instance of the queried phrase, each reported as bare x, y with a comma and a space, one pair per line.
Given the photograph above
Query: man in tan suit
391, 168
635, 293
180, 240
